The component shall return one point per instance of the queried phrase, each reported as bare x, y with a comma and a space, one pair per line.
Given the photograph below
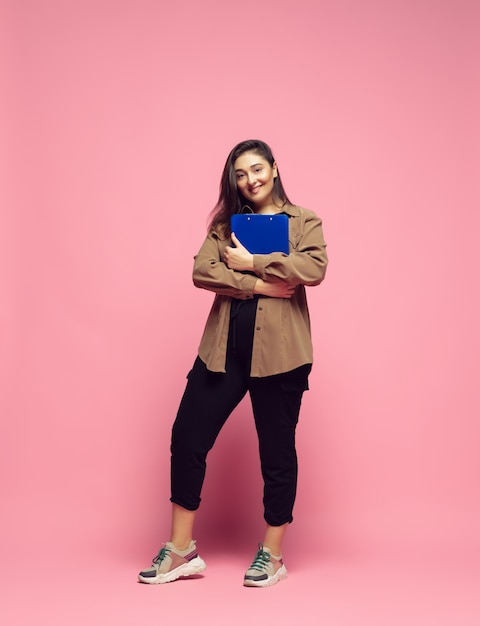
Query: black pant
208, 401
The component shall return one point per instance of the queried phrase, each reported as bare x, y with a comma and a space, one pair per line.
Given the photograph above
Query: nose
251, 178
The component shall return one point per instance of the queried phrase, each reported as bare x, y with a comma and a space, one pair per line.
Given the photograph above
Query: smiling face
255, 180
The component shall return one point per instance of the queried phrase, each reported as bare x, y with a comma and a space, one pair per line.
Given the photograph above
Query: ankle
181, 546
276, 551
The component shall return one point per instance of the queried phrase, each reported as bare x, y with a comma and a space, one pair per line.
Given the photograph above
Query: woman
257, 339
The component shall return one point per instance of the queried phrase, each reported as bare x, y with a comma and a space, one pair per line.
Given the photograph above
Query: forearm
215, 276
296, 268
307, 262
211, 273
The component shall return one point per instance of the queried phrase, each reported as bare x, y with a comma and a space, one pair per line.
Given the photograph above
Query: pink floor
91, 589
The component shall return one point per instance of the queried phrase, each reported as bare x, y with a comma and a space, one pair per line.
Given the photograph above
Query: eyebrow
251, 166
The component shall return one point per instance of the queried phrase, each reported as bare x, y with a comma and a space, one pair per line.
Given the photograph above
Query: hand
238, 258
275, 289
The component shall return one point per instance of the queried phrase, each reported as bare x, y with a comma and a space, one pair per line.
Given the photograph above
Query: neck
267, 209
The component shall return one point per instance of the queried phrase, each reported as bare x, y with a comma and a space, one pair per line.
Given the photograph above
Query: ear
275, 169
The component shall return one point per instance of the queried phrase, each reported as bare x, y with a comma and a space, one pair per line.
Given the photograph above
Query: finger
238, 244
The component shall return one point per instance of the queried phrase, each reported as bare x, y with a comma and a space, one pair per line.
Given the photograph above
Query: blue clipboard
261, 234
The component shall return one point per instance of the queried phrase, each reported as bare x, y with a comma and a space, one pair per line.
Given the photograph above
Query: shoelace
261, 559
161, 555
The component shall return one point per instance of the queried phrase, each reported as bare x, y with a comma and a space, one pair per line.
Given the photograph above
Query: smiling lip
255, 189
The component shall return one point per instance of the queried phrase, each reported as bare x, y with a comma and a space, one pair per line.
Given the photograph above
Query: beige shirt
282, 339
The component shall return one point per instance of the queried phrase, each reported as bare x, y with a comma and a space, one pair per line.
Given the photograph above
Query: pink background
116, 121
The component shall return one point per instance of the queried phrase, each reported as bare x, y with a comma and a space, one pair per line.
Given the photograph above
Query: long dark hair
230, 200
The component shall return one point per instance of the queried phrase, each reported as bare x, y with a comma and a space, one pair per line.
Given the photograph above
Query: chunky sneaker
170, 564
265, 570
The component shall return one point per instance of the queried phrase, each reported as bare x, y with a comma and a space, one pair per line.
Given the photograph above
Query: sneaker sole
281, 574
195, 566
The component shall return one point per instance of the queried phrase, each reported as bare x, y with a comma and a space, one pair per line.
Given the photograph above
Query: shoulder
304, 214
220, 232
